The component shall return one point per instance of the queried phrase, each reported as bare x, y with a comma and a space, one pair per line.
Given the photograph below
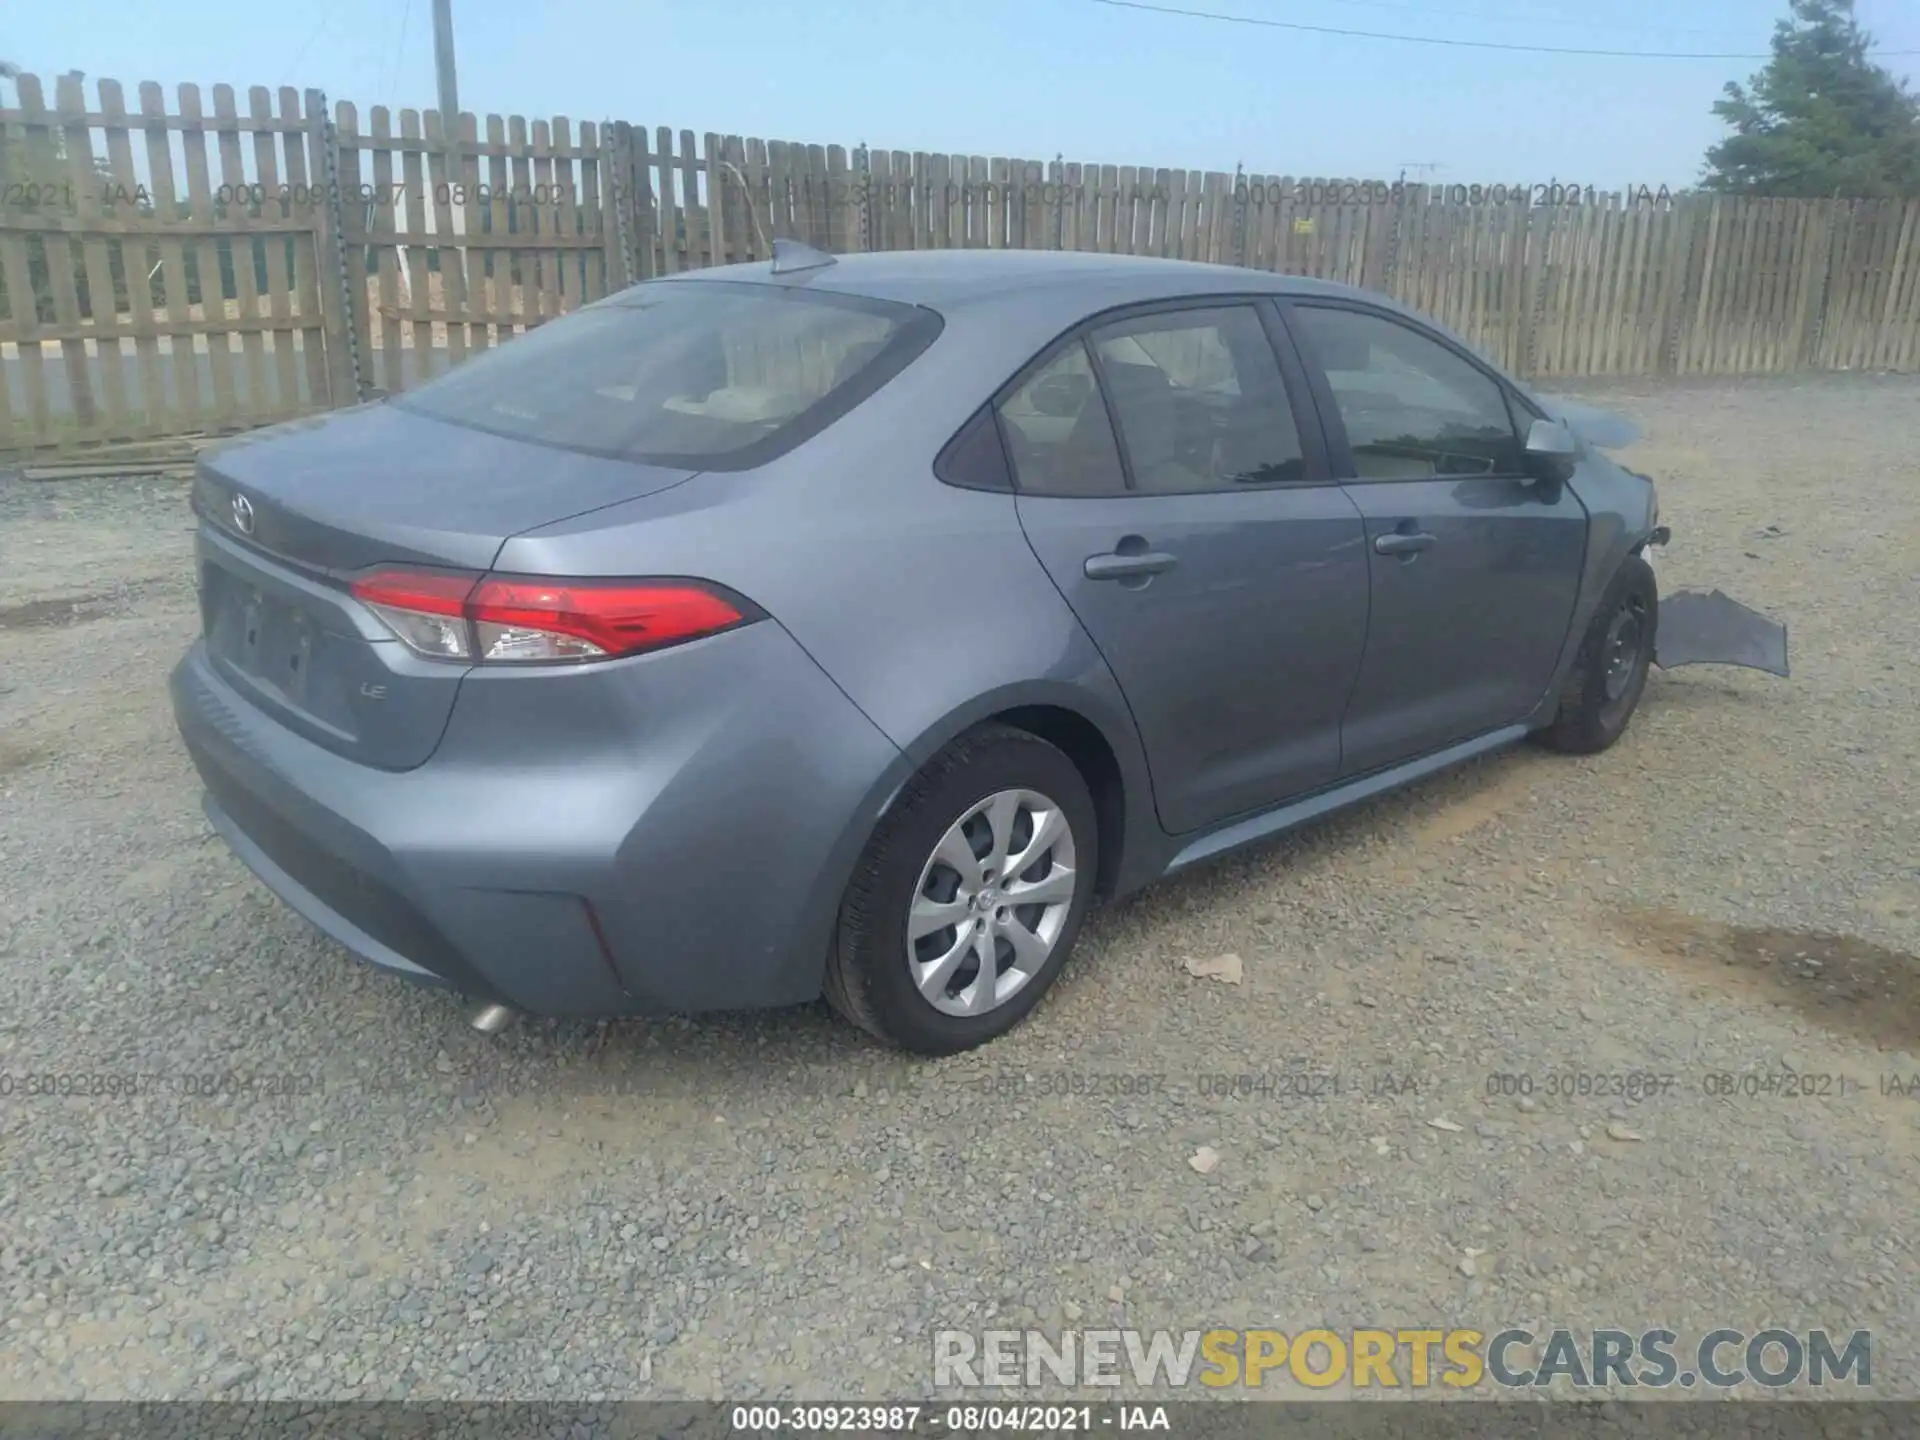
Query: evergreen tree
1820, 118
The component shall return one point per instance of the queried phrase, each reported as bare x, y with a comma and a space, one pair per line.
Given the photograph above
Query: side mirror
1551, 451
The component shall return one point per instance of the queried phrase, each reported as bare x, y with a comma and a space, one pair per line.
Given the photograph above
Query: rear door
1170, 487
1474, 565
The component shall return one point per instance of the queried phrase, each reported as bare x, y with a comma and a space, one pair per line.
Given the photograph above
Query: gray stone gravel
769, 1206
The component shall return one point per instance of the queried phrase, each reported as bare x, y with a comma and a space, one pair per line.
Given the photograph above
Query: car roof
947, 280
1023, 298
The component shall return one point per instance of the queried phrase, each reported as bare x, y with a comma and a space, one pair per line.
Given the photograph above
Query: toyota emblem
243, 514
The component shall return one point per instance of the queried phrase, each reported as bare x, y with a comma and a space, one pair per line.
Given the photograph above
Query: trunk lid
291, 515
384, 485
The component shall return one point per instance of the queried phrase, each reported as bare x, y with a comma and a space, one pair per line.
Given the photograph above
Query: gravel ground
767, 1205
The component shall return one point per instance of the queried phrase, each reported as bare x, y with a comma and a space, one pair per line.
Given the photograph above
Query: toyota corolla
849, 627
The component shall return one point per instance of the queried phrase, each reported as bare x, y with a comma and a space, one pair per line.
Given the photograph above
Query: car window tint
1057, 432
1412, 407
693, 372
1200, 401
975, 459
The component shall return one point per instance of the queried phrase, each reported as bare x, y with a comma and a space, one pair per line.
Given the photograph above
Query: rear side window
712, 375
1058, 435
1200, 401
975, 459
1413, 409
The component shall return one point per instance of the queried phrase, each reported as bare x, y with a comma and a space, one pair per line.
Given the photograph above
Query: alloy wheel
991, 902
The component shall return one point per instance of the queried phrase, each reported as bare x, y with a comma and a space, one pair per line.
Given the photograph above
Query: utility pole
8, 71
443, 68
449, 84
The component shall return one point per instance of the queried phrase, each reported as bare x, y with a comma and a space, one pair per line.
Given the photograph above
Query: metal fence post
1239, 214
1390, 267
863, 188
616, 164
1691, 262
1838, 249
338, 314
1060, 210
1536, 321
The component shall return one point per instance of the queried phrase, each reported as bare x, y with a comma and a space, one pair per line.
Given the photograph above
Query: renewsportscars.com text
1362, 1359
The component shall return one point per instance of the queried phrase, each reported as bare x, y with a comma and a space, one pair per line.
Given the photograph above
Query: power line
326, 18
399, 51
1557, 21
1456, 44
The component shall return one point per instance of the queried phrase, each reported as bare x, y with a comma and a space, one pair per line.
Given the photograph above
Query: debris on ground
1227, 969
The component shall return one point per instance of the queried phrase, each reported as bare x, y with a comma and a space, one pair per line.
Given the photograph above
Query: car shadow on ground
804, 1044
807, 1050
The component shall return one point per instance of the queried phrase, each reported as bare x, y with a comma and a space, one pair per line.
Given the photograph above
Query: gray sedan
849, 627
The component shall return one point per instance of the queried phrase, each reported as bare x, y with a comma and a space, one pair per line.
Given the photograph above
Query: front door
1221, 574
1474, 566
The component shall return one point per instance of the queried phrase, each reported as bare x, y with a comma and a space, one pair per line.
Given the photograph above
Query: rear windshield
713, 375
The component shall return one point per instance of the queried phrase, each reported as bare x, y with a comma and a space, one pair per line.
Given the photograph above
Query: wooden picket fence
173, 271
468, 245
152, 287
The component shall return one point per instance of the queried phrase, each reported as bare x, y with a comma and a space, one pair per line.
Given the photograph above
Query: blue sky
1016, 77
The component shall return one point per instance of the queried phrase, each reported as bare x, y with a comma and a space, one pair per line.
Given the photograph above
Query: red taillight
543, 621
615, 619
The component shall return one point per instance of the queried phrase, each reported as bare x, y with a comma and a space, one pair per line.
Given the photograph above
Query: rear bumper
613, 840
333, 921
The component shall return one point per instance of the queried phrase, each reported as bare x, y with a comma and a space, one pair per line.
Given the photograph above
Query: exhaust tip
491, 1019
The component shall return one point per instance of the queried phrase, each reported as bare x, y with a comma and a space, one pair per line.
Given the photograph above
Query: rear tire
945, 862
1609, 674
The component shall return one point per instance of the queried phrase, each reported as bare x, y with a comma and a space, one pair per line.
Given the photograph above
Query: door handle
1403, 542
1126, 565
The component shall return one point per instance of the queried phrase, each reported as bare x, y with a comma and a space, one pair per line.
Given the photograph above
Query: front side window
1413, 409
1057, 432
715, 375
1200, 401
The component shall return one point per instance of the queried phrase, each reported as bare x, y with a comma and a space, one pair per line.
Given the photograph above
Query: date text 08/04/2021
1252, 194
914, 1418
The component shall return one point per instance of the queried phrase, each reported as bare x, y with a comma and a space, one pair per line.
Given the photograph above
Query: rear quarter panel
923, 602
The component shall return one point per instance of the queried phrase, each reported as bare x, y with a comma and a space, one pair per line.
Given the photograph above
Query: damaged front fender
1715, 629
